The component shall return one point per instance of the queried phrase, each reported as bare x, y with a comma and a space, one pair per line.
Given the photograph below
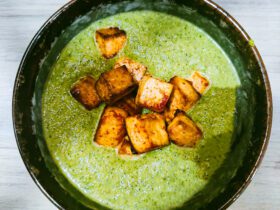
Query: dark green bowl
253, 107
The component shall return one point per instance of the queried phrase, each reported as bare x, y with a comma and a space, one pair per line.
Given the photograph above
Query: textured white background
20, 19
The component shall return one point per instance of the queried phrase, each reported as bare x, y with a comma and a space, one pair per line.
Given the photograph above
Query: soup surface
163, 178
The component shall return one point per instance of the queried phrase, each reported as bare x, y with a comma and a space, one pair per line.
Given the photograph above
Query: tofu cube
84, 92
183, 131
111, 130
153, 93
128, 104
199, 82
114, 84
137, 70
169, 115
125, 147
183, 97
110, 41
103, 90
147, 132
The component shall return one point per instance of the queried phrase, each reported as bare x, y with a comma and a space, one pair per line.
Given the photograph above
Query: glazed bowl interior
253, 103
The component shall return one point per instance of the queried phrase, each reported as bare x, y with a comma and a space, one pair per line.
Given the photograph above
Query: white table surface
20, 19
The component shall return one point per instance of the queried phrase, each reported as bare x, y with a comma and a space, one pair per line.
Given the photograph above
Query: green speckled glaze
160, 179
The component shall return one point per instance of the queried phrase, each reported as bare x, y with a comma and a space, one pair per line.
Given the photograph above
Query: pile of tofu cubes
127, 89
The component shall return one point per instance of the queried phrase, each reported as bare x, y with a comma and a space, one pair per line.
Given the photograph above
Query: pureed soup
163, 178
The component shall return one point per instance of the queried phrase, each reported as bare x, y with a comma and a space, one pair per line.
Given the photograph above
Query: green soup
163, 178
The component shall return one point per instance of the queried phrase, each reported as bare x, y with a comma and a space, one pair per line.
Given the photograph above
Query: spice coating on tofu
111, 130
110, 41
136, 69
128, 104
183, 97
147, 132
199, 82
125, 147
153, 93
114, 84
84, 92
183, 131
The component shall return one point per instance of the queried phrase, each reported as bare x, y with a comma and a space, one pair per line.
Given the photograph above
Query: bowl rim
237, 26
269, 110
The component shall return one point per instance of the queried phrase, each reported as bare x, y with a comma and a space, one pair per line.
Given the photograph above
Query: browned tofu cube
137, 70
110, 41
114, 84
125, 147
183, 131
111, 130
199, 82
147, 132
103, 90
169, 115
84, 92
128, 104
183, 97
153, 93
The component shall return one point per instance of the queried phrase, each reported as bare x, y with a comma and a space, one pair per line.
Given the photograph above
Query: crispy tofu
199, 82
183, 97
153, 93
111, 130
84, 92
128, 104
103, 89
137, 70
110, 41
169, 115
183, 131
125, 147
147, 132
114, 84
